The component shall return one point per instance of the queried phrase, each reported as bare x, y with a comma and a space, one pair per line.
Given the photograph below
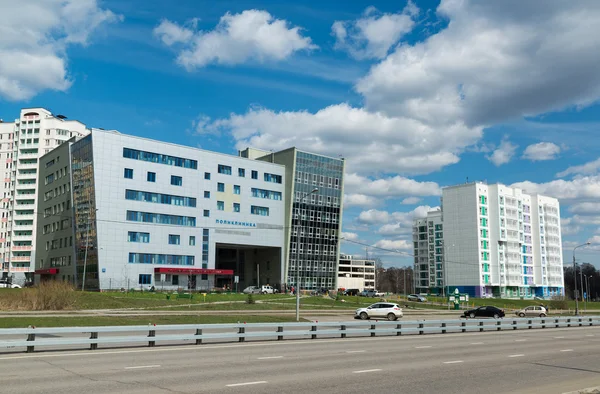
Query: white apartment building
428, 240
500, 241
149, 213
355, 273
22, 142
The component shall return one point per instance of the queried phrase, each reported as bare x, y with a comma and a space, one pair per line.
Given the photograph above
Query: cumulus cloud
585, 208
349, 236
396, 186
411, 201
34, 38
585, 169
358, 200
495, 61
398, 244
503, 154
373, 216
585, 187
372, 35
541, 151
250, 35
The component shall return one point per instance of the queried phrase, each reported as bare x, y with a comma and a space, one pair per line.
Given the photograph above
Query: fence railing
59, 337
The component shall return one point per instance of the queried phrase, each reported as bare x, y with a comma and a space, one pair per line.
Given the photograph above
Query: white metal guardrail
51, 337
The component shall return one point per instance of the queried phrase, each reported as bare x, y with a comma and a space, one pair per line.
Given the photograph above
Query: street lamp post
575, 275
298, 254
587, 294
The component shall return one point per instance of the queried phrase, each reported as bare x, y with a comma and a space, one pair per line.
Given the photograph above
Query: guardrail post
151, 334
343, 328
313, 329
372, 330
580, 320
499, 325
556, 323
94, 346
480, 325
591, 323
443, 328
529, 323
399, 328
569, 322
421, 332
30, 338
199, 333
463, 324
514, 324
543, 323
242, 330
280, 329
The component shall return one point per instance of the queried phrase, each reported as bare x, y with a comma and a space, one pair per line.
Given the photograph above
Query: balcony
21, 259
25, 166
19, 269
22, 248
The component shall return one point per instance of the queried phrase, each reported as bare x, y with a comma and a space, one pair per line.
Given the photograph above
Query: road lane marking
246, 383
520, 340
590, 335
143, 366
516, 355
356, 351
476, 343
558, 337
367, 370
269, 358
567, 350
422, 347
453, 362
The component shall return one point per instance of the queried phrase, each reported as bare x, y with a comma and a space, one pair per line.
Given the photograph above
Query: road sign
584, 295
103, 270
236, 279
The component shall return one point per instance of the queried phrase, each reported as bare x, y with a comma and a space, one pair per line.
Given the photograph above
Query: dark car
484, 311
368, 293
351, 292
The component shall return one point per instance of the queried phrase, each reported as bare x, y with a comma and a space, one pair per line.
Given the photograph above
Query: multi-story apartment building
22, 142
498, 240
355, 273
314, 186
149, 213
428, 240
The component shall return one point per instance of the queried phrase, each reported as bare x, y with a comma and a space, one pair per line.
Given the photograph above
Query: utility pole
575, 276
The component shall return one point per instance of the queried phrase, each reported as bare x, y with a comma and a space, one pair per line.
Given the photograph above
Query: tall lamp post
587, 294
298, 254
575, 275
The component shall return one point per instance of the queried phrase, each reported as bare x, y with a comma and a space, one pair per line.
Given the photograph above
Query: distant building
22, 142
496, 241
355, 273
313, 220
428, 239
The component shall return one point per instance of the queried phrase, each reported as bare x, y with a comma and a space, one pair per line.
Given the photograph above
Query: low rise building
356, 273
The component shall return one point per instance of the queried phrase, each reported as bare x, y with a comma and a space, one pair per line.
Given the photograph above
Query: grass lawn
74, 321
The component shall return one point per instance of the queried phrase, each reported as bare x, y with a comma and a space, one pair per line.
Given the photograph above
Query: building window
159, 198
223, 169
254, 174
256, 210
168, 259
272, 178
220, 187
220, 205
236, 207
192, 240
160, 218
236, 189
206, 194
145, 279
151, 177
133, 236
176, 180
268, 194
174, 239
206, 213
207, 176
159, 158
241, 172
128, 173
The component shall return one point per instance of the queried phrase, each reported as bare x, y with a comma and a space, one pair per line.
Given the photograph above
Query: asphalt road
532, 361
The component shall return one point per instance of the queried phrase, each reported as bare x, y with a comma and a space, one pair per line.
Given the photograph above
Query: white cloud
374, 33
358, 200
541, 151
568, 226
370, 141
349, 236
34, 38
396, 222
396, 186
411, 200
585, 208
373, 216
585, 169
580, 188
250, 35
398, 244
496, 60
503, 154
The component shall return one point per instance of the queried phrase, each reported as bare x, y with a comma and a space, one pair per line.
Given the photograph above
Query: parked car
416, 297
379, 293
368, 293
251, 290
266, 289
534, 310
350, 292
484, 311
379, 310
6, 285
487, 296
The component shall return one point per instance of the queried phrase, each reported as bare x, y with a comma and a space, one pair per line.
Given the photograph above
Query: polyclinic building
149, 213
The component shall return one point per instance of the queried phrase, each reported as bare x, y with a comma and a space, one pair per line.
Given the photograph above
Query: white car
383, 310
251, 290
5, 285
266, 290
532, 311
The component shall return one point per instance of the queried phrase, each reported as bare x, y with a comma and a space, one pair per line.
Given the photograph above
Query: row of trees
394, 280
588, 276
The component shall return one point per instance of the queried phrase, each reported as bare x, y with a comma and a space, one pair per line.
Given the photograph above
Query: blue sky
416, 96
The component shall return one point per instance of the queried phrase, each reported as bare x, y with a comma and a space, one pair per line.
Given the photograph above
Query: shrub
250, 299
558, 304
47, 296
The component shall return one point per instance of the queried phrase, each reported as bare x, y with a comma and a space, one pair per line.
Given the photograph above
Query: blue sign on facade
103, 270
235, 223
